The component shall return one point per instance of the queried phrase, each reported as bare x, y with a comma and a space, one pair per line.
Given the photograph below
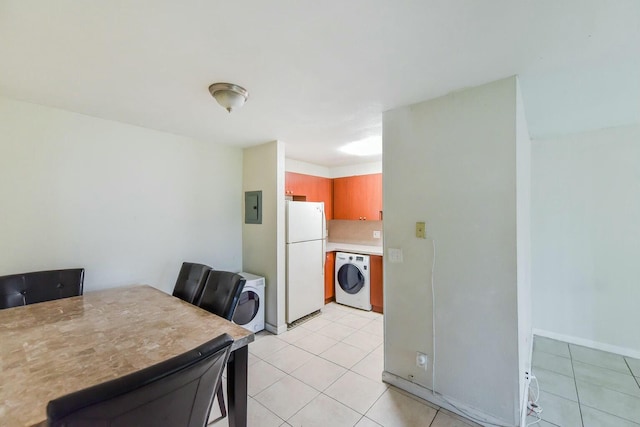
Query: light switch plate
395, 255
376, 234
421, 232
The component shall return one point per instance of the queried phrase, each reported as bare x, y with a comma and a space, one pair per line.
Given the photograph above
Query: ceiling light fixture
229, 96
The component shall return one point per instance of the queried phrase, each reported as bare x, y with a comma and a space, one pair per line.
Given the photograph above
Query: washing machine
353, 283
250, 311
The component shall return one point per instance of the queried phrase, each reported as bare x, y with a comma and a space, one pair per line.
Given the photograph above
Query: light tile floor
327, 373
580, 386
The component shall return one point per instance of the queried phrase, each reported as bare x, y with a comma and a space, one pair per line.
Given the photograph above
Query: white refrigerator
305, 237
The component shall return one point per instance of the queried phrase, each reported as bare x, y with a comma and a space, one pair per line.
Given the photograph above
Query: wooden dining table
57, 347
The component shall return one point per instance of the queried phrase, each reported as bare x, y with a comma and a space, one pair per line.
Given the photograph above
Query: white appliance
250, 311
353, 281
305, 237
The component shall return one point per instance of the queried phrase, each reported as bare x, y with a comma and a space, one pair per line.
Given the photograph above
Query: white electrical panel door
305, 278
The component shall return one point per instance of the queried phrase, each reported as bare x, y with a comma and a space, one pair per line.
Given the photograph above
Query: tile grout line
289, 374
549, 370
374, 404
367, 353
584, 363
630, 370
355, 373
315, 355
349, 370
605, 387
434, 418
561, 397
554, 354
609, 413
305, 405
587, 363
604, 367
276, 415
588, 406
575, 383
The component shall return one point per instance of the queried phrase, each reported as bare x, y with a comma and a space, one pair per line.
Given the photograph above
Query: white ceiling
319, 73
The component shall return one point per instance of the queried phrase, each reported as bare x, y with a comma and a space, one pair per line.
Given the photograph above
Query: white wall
452, 162
298, 166
586, 234
128, 204
263, 245
357, 169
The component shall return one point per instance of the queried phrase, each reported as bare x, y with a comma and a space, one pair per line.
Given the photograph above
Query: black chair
176, 392
40, 286
220, 296
191, 281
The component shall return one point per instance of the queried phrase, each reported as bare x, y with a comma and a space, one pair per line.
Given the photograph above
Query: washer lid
350, 279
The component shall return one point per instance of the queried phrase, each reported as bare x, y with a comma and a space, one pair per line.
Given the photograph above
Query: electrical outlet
421, 230
421, 360
376, 234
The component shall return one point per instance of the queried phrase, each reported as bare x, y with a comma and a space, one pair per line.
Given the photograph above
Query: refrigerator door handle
324, 254
324, 239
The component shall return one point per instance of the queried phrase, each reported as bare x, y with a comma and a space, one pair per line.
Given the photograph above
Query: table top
53, 348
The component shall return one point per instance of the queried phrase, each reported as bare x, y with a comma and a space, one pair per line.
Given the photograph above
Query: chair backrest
176, 392
221, 293
40, 286
191, 281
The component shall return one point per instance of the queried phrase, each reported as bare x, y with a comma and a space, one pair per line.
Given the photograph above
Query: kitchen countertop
356, 249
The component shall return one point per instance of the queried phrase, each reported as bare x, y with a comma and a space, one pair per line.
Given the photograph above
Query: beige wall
452, 162
128, 204
263, 245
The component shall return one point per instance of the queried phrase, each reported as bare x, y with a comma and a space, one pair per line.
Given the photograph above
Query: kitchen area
353, 250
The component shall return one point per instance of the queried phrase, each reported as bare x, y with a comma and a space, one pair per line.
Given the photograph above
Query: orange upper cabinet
311, 188
290, 183
358, 197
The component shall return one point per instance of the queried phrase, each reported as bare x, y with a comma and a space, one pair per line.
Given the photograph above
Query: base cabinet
376, 283
329, 277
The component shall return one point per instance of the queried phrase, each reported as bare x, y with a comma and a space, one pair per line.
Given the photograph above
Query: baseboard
276, 330
459, 408
588, 343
